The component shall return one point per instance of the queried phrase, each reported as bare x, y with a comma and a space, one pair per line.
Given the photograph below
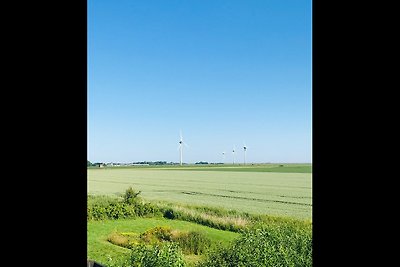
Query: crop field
274, 189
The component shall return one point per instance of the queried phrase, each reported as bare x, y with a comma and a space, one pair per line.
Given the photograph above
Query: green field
288, 167
260, 189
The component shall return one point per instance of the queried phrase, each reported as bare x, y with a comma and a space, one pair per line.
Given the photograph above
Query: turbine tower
181, 143
223, 157
233, 154
244, 148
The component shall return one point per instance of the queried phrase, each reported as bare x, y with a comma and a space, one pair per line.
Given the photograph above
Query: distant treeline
102, 164
147, 163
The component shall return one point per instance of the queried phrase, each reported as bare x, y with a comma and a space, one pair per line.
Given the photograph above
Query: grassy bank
118, 235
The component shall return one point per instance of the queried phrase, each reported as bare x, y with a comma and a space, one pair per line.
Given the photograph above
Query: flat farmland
251, 190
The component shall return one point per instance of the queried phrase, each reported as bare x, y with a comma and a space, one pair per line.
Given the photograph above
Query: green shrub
265, 246
169, 214
102, 207
121, 261
157, 234
145, 209
97, 207
96, 212
131, 196
106, 207
162, 255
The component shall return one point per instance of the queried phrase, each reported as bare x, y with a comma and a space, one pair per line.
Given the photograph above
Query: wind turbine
244, 148
233, 154
181, 143
223, 157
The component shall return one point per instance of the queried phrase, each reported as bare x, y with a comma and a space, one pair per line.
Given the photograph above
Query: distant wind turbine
223, 157
233, 154
244, 148
181, 143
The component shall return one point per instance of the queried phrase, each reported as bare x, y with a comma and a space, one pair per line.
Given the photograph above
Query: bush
131, 196
162, 255
105, 207
121, 261
102, 207
265, 246
169, 214
157, 234
143, 209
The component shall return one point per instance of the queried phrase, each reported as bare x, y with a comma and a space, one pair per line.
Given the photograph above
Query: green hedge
265, 246
107, 207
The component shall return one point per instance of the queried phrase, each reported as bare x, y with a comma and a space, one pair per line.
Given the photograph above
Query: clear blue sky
225, 72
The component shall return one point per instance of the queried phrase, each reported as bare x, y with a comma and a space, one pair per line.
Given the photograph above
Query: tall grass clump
263, 245
192, 242
228, 220
217, 218
282, 220
161, 255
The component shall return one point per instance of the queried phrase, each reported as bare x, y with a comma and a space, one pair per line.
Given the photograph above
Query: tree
131, 196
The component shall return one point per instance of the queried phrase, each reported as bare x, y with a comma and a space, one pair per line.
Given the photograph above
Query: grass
104, 252
230, 220
250, 189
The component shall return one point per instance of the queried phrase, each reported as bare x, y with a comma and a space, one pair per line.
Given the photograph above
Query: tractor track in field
204, 182
246, 198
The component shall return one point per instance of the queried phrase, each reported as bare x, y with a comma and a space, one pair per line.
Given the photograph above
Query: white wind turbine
233, 154
244, 148
223, 157
181, 143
